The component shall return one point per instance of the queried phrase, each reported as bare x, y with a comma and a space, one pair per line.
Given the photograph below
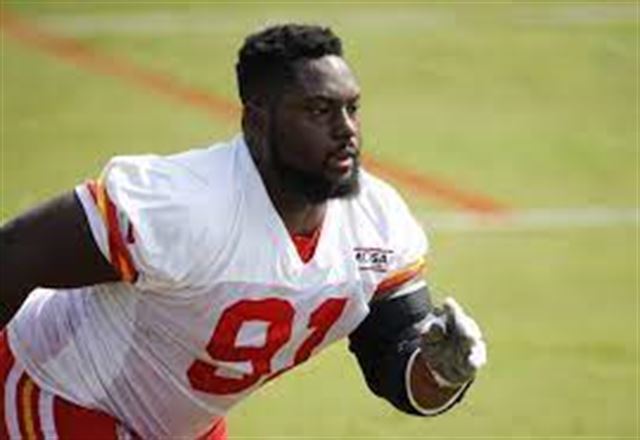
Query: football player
156, 297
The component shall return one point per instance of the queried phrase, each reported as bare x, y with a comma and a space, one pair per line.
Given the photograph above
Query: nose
346, 124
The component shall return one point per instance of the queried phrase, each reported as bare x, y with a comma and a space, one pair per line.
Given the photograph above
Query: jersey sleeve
405, 237
142, 212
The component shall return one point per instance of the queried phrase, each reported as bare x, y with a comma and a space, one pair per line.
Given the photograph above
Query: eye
318, 109
353, 108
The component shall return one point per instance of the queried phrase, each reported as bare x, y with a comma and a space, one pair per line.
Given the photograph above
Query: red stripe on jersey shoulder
27, 397
120, 257
399, 277
92, 186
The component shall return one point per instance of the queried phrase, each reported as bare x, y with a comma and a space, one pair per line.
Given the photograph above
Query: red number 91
278, 314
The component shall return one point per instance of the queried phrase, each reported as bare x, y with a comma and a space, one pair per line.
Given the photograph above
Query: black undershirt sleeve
386, 339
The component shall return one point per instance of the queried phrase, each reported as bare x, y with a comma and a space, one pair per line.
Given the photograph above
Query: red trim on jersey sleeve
217, 432
119, 254
6, 364
23, 409
400, 276
28, 394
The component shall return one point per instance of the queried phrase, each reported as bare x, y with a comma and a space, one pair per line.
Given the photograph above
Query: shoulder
382, 204
188, 171
376, 192
190, 181
209, 166
382, 220
180, 207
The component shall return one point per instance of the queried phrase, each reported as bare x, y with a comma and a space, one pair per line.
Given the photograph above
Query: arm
401, 358
49, 246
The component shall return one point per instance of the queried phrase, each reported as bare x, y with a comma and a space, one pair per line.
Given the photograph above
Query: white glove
452, 345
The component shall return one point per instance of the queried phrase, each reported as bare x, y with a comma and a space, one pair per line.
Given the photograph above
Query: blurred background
510, 127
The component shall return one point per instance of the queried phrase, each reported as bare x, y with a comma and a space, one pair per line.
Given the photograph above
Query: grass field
532, 104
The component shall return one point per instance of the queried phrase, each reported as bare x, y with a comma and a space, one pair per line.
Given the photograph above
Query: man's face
314, 133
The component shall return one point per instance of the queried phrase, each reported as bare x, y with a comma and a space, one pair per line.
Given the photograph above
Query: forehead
328, 76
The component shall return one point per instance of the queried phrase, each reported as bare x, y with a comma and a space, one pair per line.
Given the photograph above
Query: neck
296, 212
298, 215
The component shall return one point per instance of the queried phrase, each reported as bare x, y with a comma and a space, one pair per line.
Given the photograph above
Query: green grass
562, 347
533, 104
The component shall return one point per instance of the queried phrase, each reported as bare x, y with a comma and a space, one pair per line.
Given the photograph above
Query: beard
315, 188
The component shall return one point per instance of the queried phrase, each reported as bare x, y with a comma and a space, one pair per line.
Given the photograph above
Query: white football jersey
215, 300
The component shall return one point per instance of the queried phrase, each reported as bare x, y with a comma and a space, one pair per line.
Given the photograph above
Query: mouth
343, 160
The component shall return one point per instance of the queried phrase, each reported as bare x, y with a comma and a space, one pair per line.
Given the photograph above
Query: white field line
217, 21
212, 22
532, 219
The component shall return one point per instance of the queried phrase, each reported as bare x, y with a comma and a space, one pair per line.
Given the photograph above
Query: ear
255, 126
254, 119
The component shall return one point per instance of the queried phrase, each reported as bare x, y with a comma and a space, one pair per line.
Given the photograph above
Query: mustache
347, 150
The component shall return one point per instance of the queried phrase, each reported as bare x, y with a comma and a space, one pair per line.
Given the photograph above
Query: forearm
48, 246
400, 375
385, 345
400, 362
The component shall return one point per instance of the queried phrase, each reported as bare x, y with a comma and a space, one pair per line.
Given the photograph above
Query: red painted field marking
435, 187
82, 55
85, 56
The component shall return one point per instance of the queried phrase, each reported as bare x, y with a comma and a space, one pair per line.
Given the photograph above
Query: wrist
427, 393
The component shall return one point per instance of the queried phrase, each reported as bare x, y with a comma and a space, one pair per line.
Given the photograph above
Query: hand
452, 345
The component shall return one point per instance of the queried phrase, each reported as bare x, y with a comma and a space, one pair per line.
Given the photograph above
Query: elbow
8, 247
384, 374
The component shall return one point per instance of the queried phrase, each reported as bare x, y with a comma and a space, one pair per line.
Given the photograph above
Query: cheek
311, 131
303, 144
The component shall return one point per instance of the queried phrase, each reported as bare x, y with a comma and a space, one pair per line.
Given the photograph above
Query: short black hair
266, 59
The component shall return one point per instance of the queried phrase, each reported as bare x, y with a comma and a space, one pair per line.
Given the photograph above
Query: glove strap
455, 398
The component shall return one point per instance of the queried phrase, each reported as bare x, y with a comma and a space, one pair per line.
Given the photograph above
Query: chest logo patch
374, 259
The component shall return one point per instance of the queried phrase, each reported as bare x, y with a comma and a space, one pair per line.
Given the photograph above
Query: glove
452, 345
